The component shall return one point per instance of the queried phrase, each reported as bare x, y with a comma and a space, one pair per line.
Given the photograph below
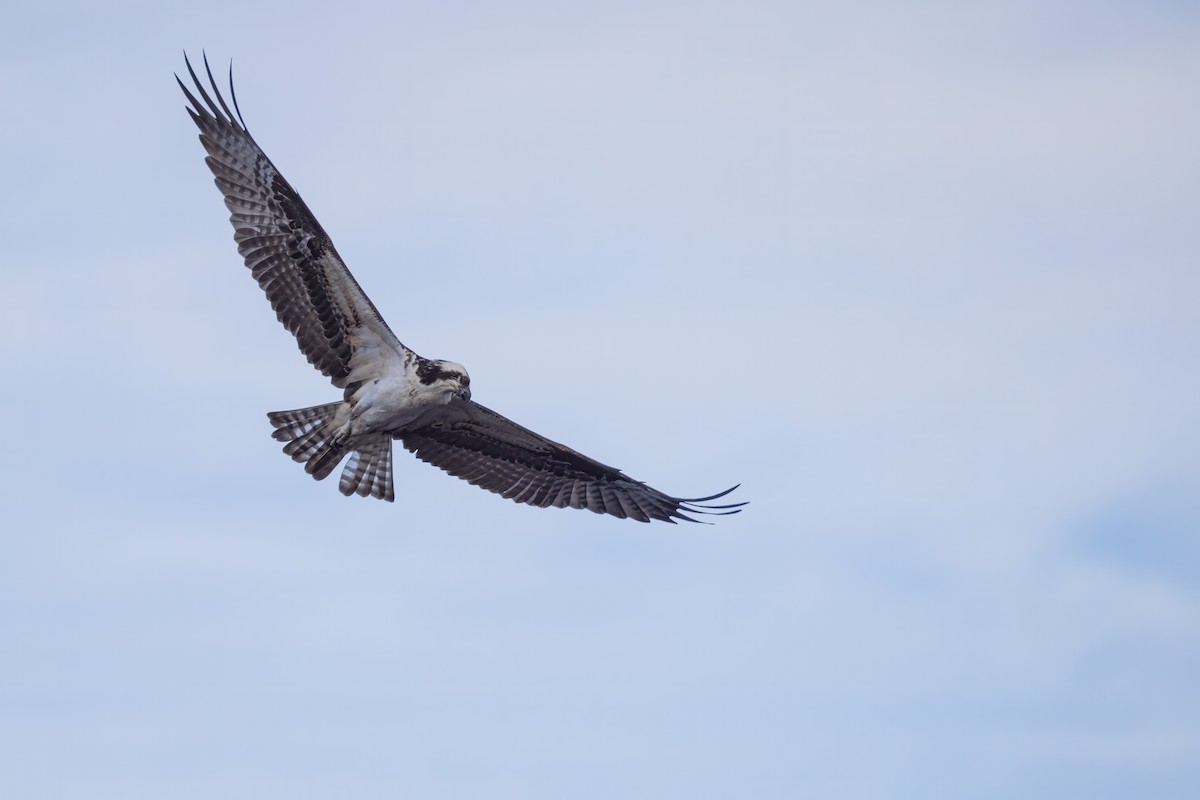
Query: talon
340, 436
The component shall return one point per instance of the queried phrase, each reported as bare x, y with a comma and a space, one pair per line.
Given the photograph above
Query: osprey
390, 392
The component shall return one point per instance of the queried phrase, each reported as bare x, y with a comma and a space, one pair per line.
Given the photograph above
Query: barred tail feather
307, 432
369, 470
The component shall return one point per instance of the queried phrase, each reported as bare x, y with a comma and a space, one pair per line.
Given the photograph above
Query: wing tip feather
701, 505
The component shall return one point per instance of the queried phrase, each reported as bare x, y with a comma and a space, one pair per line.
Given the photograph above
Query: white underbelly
390, 405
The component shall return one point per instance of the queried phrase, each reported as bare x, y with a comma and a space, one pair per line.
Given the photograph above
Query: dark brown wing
476, 444
286, 249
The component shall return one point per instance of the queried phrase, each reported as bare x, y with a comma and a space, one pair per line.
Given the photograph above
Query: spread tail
369, 470
308, 433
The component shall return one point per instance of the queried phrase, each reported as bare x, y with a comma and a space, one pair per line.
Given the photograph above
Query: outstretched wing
476, 444
286, 249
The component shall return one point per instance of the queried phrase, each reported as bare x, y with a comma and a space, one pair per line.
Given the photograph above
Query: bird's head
446, 377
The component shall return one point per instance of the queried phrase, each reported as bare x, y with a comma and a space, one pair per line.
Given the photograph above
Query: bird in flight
389, 392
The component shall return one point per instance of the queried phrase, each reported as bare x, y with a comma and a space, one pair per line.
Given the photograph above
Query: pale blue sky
923, 277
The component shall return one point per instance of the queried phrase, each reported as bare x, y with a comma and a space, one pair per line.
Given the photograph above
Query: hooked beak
463, 393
